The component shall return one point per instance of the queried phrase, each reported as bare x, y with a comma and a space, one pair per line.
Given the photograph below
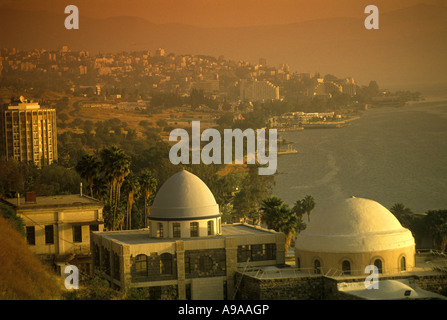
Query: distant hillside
409, 48
22, 275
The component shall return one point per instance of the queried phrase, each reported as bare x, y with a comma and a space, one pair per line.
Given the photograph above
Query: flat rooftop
72, 200
141, 236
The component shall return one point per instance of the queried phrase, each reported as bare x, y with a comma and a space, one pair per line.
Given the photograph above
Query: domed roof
184, 196
353, 225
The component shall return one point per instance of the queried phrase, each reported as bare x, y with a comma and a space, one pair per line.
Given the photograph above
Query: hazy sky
218, 13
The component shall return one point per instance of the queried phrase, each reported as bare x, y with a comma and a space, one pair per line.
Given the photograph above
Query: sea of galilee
389, 154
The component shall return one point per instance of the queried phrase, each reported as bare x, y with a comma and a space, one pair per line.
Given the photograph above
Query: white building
186, 253
351, 234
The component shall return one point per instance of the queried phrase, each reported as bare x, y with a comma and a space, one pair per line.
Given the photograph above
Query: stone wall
320, 287
299, 288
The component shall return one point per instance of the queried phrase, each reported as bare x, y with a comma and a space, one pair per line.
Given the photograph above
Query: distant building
254, 90
186, 253
28, 133
58, 227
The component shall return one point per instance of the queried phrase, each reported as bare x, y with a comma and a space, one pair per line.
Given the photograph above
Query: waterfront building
28, 133
186, 253
57, 228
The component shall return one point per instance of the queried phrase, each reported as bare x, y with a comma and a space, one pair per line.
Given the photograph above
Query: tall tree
115, 166
308, 204
88, 167
436, 222
131, 187
148, 186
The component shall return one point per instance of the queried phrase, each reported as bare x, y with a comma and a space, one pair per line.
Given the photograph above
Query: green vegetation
431, 226
278, 216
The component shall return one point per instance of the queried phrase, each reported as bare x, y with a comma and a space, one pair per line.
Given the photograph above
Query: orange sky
218, 13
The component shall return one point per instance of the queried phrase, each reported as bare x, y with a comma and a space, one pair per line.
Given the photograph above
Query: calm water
389, 155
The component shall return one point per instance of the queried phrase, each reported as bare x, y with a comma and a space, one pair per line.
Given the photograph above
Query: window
141, 265
187, 265
346, 267
49, 234
194, 229
166, 263
176, 230
77, 233
210, 225
317, 266
94, 227
378, 264
403, 264
243, 253
298, 263
269, 251
160, 230
205, 263
31, 235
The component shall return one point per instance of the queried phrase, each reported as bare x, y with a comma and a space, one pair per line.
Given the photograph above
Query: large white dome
184, 196
353, 225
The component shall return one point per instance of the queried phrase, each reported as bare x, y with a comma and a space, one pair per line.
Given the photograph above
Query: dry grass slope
22, 275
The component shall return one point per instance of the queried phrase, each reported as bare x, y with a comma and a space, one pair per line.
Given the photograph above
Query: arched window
194, 229
210, 225
160, 230
141, 265
403, 264
346, 267
317, 266
166, 263
378, 264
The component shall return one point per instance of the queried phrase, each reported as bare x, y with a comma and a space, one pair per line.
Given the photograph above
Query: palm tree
88, 167
115, 165
402, 213
308, 204
131, 187
279, 217
148, 186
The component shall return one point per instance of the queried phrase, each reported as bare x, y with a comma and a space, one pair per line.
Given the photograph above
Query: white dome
353, 225
184, 196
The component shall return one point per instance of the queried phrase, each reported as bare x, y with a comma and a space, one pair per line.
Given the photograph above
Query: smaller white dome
184, 196
353, 225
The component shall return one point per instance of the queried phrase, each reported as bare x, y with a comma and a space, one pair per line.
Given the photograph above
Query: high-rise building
28, 133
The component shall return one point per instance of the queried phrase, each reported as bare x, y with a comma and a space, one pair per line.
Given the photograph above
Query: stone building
57, 228
187, 253
351, 234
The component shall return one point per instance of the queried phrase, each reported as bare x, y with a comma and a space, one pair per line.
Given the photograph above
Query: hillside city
84, 156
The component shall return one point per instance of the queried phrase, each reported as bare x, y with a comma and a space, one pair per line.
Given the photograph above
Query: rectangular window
194, 227
160, 230
31, 235
210, 228
176, 230
94, 227
49, 234
77, 233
